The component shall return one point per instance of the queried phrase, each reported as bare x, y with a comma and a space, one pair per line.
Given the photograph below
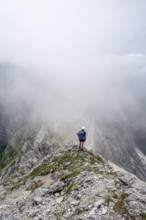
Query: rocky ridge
71, 184
26, 150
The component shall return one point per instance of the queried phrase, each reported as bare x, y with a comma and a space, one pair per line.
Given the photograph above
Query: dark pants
81, 144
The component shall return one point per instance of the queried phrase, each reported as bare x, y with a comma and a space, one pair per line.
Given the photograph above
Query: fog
72, 59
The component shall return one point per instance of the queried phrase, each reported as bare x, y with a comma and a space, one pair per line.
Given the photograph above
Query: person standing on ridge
82, 138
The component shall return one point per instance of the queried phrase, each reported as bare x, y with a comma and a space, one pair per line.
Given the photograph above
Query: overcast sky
88, 48
67, 33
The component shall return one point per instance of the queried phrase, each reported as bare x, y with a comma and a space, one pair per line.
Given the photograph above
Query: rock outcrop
27, 149
72, 184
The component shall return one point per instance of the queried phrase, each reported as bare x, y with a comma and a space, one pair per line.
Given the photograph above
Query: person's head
83, 128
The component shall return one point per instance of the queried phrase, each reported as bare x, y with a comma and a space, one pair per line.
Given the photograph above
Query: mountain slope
115, 140
69, 184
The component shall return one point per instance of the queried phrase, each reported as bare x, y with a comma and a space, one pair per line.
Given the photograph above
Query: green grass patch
43, 170
109, 199
119, 206
70, 175
143, 216
115, 196
124, 196
69, 188
95, 158
8, 160
132, 218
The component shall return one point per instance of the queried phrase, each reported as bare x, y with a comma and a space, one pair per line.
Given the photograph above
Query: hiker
82, 138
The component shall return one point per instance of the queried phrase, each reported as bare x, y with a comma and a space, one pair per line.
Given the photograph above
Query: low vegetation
144, 216
65, 166
120, 205
8, 160
69, 165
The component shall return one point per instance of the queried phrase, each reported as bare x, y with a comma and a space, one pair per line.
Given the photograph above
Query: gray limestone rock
103, 211
6, 215
93, 193
59, 200
99, 203
37, 200
41, 192
74, 202
127, 179
56, 187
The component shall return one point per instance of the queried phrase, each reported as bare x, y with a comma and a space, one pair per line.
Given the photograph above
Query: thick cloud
69, 35
71, 56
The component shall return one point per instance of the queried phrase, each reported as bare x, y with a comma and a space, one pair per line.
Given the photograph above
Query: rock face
81, 186
115, 140
3, 130
26, 150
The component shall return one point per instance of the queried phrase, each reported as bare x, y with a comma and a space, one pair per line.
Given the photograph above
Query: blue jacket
81, 135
